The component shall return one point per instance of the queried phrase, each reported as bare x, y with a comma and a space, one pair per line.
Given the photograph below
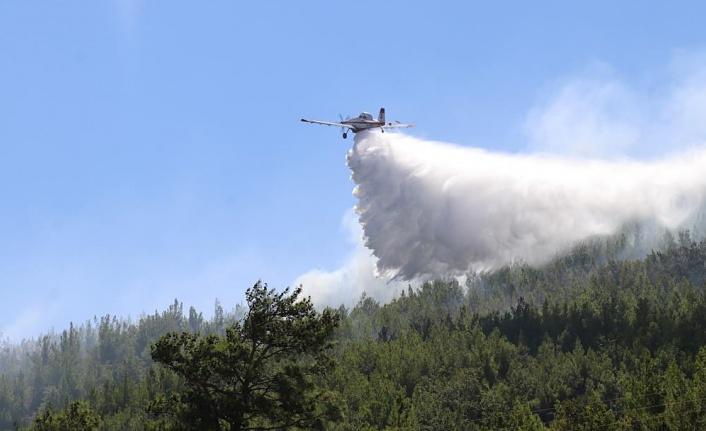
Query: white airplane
363, 121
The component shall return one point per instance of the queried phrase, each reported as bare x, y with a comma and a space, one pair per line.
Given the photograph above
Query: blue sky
153, 150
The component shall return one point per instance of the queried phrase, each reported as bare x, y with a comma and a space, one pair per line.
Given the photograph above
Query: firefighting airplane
363, 121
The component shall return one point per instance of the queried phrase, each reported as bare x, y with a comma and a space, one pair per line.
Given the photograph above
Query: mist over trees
593, 340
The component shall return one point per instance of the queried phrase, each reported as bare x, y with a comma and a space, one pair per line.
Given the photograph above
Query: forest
595, 339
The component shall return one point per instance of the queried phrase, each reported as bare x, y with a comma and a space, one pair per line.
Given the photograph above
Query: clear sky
152, 150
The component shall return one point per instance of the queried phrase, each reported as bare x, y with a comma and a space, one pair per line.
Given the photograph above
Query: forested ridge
592, 340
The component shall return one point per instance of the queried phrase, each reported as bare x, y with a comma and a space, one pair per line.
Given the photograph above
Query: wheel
345, 135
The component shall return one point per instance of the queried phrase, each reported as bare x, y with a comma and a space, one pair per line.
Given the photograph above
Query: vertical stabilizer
381, 117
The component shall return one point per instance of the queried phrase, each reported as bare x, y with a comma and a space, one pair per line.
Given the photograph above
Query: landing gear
345, 135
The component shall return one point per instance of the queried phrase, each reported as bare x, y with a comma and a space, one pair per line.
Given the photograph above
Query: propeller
343, 129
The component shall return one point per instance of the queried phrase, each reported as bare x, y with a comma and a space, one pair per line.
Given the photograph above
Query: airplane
364, 121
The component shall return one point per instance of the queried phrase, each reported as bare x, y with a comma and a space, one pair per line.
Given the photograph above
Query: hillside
585, 342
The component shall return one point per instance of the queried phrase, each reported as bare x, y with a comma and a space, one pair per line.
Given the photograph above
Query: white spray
432, 209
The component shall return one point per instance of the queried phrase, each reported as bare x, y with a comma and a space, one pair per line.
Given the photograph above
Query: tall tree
260, 375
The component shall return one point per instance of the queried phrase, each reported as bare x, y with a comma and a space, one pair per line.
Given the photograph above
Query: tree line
588, 341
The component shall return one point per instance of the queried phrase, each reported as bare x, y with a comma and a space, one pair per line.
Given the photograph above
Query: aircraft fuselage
358, 125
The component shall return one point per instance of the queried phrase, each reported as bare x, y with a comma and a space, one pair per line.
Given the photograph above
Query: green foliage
77, 416
522, 418
260, 374
589, 341
102, 362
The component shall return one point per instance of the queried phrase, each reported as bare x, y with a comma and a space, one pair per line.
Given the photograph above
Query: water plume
431, 209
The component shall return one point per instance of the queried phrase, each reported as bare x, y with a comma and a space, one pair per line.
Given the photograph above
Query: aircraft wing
326, 123
397, 124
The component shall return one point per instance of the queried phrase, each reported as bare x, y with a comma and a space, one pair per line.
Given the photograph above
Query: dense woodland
593, 340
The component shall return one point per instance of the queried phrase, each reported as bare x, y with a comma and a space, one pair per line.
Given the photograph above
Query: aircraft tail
381, 117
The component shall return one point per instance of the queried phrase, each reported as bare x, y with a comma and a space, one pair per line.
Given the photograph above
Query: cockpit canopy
365, 116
